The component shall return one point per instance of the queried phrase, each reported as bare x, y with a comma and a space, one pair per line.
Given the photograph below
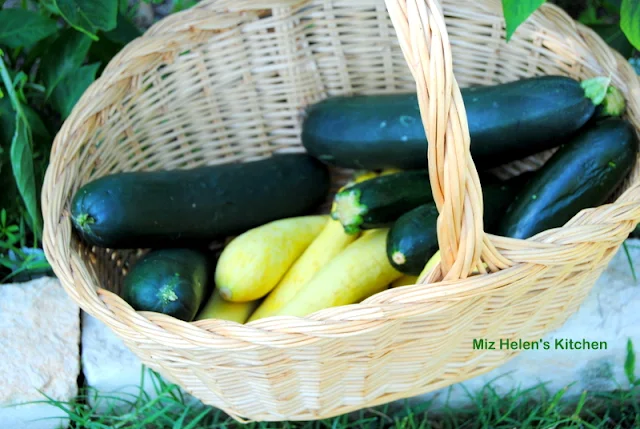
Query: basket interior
238, 95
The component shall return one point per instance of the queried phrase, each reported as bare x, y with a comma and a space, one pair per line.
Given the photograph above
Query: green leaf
112, 42
48, 7
40, 49
613, 35
124, 32
517, 11
630, 21
613, 6
19, 27
9, 198
38, 128
66, 56
630, 363
24, 174
180, 5
589, 16
89, 16
71, 88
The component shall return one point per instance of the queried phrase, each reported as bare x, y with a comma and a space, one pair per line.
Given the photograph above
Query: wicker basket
226, 82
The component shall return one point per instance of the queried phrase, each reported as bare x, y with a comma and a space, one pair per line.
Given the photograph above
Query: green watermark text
541, 344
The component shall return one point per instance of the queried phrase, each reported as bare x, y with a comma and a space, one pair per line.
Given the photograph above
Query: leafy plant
50, 52
616, 21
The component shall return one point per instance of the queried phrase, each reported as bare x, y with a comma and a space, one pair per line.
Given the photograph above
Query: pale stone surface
39, 351
109, 366
610, 313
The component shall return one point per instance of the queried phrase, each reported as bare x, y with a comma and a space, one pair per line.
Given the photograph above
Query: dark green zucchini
507, 122
581, 174
377, 202
413, 238
181, 208
169, 281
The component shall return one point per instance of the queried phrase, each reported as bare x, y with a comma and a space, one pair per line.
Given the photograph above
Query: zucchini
581, 174
507, 122
358, 272
253, 263
217, 308
181, 208
413, 238
168, 281
377, 202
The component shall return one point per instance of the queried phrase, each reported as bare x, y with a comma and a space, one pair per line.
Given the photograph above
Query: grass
533, 408
526, 409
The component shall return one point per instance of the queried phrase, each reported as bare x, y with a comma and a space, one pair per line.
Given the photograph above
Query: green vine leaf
24, 173
630, 21
65, 57
71, 88
19, 27
518, 11
613, 35
89, 16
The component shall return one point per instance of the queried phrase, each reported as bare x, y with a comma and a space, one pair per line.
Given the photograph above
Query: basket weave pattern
227, 81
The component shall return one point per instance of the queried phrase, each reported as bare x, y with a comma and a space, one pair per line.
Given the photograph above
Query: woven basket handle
464, 246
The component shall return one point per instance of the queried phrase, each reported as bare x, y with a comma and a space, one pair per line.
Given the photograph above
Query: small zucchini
413, 238
378, 202
358, 272
254, 262
168, 281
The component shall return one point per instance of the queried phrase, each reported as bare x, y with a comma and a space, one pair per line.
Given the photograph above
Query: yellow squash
405, 281
435, 259
331, 241
218, 308
388, 171
361, 176
255, 261
359, 271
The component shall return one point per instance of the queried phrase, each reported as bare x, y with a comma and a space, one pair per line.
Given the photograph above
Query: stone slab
39, 352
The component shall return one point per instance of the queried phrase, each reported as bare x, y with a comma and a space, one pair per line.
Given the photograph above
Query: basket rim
345, 321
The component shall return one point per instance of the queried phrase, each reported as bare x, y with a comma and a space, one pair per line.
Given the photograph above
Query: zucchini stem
84, 220
167, 293
614, 103
348, 210
399, 258
596, 89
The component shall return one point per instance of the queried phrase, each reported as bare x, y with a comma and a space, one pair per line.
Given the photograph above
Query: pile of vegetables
285, 258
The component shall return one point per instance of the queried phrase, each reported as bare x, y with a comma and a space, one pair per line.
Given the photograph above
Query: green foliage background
52, 50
